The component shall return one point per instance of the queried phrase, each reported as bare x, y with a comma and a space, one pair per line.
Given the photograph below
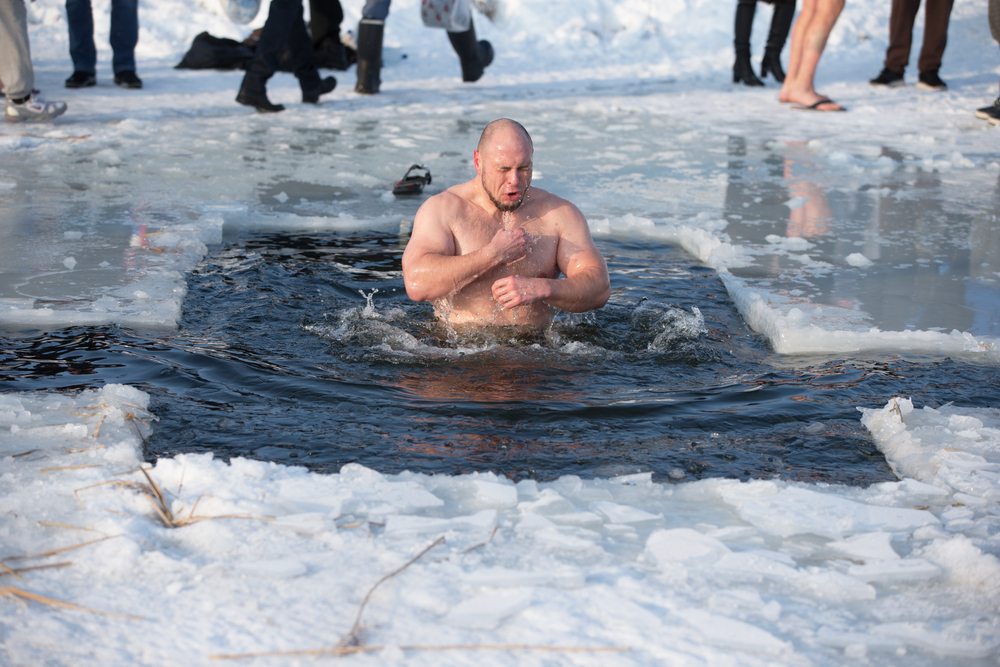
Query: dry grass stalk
63, 549
89, 465
113, 483
17, 593
30, 451
7, 570
80, 451
159, 503
53, 524
348, 650
17, 571
353, 638
496, 527
162, 508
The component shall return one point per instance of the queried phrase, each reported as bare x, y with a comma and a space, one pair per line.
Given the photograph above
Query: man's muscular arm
586, 285
431, 267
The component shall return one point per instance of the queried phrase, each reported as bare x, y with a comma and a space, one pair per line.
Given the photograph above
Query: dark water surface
303, 349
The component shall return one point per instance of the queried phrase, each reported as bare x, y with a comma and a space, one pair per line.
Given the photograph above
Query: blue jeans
124, 34
376, 9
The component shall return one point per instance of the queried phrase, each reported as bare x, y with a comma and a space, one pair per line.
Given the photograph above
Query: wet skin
490, 251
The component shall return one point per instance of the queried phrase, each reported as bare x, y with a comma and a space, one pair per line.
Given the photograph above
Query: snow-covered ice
807, 218
258, 557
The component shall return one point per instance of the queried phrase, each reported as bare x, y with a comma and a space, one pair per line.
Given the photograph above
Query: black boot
742, 69
330, 54
311, 93
781, 23
475, 56
253, 92
369, 55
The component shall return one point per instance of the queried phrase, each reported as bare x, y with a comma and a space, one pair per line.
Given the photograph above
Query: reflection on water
304, 349
934, 256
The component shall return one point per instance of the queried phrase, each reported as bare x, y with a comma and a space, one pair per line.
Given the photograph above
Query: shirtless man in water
490, 251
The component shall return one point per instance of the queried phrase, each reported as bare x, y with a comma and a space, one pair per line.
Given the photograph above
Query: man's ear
475, 161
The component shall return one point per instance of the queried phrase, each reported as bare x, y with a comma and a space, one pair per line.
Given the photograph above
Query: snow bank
246, 556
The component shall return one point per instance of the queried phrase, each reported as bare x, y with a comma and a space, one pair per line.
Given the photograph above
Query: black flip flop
815, 106
413, 185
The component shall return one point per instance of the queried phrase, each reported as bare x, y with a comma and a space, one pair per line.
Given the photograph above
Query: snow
265, 557
106, 209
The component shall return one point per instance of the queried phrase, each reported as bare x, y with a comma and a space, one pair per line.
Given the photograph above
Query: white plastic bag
452, 15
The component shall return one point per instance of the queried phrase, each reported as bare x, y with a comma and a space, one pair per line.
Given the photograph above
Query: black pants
285, 28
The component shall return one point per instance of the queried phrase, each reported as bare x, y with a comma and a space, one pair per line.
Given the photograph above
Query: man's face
505, 169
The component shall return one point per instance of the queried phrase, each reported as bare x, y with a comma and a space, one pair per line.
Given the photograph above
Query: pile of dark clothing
210, 52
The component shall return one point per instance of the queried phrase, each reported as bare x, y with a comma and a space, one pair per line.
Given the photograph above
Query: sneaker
888, 78
991, 114
33, 108
931, 81
81, 80
127, 79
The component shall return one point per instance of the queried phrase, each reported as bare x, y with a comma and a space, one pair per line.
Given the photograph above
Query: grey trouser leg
15, 55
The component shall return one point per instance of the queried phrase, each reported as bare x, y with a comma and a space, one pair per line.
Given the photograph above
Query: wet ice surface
814, 229
651, 476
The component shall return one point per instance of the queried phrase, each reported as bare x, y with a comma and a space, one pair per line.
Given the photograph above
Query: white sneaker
34, 108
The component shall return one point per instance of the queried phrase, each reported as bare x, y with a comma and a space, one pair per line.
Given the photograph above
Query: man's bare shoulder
554, 208
451, 201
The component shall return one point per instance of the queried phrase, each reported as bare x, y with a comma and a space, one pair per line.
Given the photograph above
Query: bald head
498, 129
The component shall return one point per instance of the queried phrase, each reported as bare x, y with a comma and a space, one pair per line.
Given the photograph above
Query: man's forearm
585, 291
437, 276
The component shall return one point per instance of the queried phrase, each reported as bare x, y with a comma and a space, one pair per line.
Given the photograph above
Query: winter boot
253, 91
781, 23
369, 55
312, 91
475, 56
742, 69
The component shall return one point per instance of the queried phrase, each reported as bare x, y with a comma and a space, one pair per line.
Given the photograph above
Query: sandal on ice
815, 106
413, 184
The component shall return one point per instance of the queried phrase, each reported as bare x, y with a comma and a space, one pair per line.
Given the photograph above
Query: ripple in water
304, 349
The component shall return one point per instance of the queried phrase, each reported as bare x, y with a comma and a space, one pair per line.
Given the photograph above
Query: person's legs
781, 23
273, 38
324, 26
325, 17
80, 20
937, 14
742, 69
901, 18
304, 63
808, 41
16, 71
370, 31
124, 34
798, 39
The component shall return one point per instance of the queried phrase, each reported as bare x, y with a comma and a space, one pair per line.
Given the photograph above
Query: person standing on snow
474, 55
124, 36
992, 113
16, 72
284, 27
812, 29
937, 13
781, 23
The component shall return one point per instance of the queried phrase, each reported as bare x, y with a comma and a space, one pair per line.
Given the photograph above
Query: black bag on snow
209, 52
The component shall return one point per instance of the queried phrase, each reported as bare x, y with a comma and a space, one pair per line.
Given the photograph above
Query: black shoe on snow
888, 78
128, 79
311, 96
930, 80
258, 101
81, 80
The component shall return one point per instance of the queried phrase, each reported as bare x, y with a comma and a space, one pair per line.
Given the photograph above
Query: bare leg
808, 41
